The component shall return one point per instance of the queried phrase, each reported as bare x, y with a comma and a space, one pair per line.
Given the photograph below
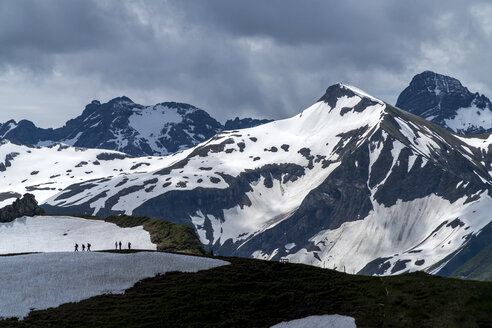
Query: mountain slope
445, 101
350, 183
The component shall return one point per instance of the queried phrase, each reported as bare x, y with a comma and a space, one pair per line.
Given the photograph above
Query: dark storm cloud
32, 32
262, 58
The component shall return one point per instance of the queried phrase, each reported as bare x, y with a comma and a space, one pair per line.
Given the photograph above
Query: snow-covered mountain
351, 183
445, 101
125, 126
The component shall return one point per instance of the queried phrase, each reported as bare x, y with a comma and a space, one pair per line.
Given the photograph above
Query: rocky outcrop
244, 123
25, 206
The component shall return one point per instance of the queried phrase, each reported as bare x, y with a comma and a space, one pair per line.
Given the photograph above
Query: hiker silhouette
76, 247
88, 247
129, 245
120, 245
83, 247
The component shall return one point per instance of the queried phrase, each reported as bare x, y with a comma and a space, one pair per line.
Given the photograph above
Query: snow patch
60, 234
470, 117
319, 321
41, 281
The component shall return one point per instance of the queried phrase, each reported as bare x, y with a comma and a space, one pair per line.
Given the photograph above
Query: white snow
150, 121
470, 117
481, 143
362, 93
401, 228
44, 171
41, 281
289, 246
59, 234
319, 321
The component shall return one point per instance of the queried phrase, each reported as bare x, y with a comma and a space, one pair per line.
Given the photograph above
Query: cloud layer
258, 58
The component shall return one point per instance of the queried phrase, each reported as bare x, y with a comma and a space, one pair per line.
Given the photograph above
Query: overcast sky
231, 58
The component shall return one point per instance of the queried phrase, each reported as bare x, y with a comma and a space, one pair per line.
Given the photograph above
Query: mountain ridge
122, 125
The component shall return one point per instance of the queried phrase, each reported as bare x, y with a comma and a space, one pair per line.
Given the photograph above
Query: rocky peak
339, 90
444, 100
25, 206
334, 92
122, 99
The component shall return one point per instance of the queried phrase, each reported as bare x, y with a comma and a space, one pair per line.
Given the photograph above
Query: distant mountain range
350, 183
168, 127
445, 101
125, 126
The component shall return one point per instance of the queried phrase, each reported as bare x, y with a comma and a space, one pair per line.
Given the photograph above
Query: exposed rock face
244, 123
25, 206
445, 101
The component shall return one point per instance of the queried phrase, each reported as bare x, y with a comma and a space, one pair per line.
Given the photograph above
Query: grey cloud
262, 58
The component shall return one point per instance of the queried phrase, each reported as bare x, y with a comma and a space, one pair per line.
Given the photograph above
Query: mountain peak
122, 99
338, 90
445, 101
438, 83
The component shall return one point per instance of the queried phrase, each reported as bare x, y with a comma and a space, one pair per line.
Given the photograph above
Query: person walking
83, 247
76, 247
88, 247
129, 245
120, 245
116, 245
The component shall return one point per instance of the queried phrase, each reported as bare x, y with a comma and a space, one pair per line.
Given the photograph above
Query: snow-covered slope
445, 101
351, 183
41, 281
44, 171
60, 234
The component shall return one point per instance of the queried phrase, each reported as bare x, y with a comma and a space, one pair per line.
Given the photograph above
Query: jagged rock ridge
125, 126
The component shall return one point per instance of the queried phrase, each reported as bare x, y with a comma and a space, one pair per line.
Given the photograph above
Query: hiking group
117, 245
83, 247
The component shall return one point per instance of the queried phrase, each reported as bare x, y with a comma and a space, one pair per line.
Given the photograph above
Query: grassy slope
253, 293
168, 236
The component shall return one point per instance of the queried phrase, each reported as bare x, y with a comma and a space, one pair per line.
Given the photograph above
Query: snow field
59, 234
319, 321
470, 117
401, 232
41, 281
